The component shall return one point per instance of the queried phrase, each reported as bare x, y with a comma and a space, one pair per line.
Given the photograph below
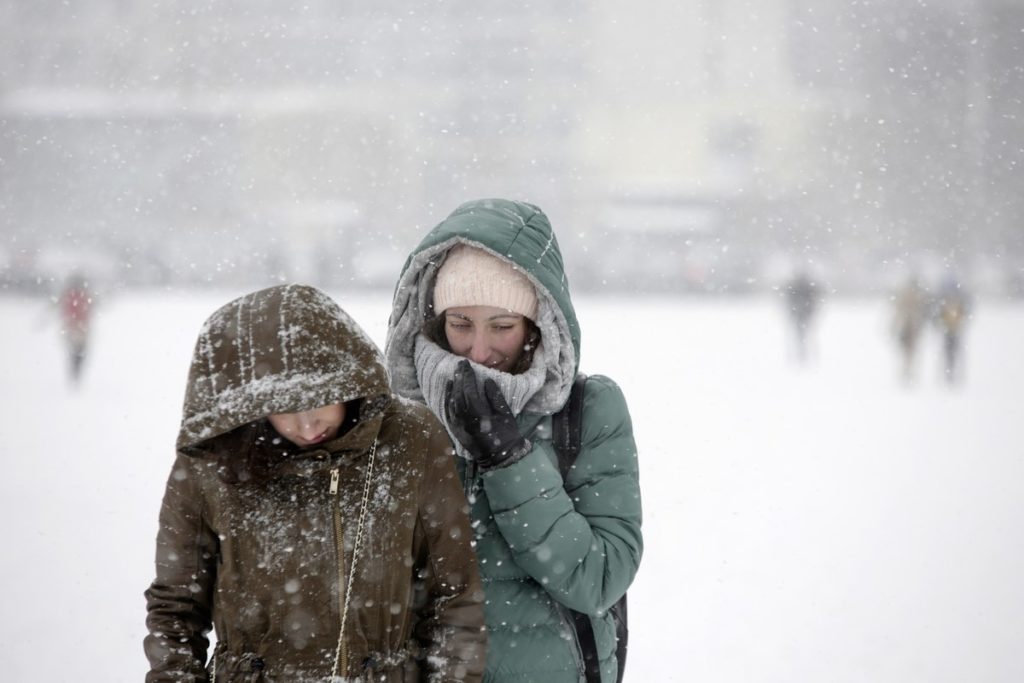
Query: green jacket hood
284, 349
517, 232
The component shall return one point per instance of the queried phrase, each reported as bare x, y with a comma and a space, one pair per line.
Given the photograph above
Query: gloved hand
483, 422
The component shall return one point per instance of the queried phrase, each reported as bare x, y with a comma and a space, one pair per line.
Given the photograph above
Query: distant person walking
952, 308
803, 298
909, 317
76, 308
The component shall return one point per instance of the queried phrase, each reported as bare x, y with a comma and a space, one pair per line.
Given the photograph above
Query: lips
306, 444
318, 438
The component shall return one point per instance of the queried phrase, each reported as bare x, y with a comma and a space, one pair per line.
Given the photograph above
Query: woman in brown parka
304, 517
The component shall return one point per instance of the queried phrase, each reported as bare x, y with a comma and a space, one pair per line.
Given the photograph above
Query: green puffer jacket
544, 545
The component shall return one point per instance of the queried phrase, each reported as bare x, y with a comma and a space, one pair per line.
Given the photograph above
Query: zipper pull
335, 477
470, 484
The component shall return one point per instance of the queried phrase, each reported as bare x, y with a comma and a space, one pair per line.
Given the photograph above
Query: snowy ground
816, 524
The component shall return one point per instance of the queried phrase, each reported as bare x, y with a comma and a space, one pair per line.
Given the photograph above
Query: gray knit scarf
435, 367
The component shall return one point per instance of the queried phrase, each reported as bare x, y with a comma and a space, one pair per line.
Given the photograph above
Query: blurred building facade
259, 140
861, 140
309, 140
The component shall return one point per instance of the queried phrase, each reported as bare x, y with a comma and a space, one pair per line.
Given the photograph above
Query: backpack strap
567, 427
588, 645
567, 438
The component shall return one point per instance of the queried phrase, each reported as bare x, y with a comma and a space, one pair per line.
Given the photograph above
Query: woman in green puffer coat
483, 331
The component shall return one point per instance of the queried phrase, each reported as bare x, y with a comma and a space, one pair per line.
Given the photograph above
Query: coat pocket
230, 667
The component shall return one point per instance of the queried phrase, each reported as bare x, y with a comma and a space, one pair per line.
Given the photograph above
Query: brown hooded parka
351, 558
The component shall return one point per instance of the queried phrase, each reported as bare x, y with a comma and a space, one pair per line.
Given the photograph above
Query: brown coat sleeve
451, 625
179, 601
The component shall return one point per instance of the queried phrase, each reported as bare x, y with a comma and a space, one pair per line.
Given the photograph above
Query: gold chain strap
355, 557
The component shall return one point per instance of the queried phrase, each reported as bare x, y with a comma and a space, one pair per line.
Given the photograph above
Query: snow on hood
284, 349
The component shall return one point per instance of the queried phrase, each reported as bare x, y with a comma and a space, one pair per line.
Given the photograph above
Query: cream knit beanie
473, 277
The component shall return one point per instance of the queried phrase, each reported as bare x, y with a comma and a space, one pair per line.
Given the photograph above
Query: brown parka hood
284, 349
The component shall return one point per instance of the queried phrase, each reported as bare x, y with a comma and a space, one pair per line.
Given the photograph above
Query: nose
480, 351
309, 426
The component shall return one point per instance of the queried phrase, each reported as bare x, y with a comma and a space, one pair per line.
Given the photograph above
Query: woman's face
486, 335
308, 428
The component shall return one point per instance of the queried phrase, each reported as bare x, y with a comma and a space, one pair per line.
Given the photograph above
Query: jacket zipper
470, 484
339, 537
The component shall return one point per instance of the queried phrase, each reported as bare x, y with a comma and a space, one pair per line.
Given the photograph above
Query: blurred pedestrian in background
910, 314
952, 308
803, 298
75, 306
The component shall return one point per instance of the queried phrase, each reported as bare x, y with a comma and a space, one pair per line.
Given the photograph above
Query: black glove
483, 423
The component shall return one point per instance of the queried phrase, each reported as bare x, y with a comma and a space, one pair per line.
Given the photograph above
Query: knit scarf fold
435, 367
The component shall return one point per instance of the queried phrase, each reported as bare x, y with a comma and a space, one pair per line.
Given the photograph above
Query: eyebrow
460, 316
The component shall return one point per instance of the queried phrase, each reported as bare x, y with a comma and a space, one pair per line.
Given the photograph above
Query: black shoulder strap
588, 646
567, 427
567, 438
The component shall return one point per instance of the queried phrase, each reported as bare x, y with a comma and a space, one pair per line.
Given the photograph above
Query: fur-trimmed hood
517, 232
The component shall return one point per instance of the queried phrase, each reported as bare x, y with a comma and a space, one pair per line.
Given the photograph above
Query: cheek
281, 425
512, 346
457, 342
334, 415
